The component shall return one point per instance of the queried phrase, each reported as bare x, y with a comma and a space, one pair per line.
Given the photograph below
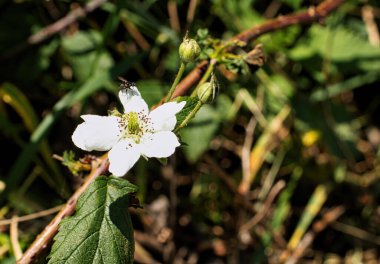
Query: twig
49, 232
191, 11
270, 177
54, 28
32, 216
276, 189
370, 24
356, 232
135, 34
246, 149
313, 14
59, 25
14, 238
173, 16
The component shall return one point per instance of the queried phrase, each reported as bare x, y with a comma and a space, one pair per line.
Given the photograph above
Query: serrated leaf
101, 230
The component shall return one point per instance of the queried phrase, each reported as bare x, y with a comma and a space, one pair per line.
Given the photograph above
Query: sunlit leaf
101, 230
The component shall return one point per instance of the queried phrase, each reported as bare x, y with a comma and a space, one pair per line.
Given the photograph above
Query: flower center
131, 127
133, 124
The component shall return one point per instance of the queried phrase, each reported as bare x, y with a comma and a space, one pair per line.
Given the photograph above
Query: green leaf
341, 46
101, 230
281, 39
85, 55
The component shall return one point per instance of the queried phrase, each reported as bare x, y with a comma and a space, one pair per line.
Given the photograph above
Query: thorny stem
176, 81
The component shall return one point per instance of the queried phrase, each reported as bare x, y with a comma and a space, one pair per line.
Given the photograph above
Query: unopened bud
189, 50
205, 92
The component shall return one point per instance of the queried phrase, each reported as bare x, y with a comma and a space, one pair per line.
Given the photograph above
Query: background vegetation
282, 166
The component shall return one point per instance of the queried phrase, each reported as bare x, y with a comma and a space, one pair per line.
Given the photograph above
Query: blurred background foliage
283, 166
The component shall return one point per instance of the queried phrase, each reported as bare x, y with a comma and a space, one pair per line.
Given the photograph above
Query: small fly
125, 84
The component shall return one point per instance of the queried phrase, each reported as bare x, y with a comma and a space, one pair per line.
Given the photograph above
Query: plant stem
189, 116
205, 77
176, 81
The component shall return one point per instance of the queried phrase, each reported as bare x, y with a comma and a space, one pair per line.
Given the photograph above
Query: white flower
132, 134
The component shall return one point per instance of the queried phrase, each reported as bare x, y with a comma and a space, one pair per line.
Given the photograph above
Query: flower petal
136, 104
160, 145
126, 94
96, 132
132, 101
163, 117
123, 156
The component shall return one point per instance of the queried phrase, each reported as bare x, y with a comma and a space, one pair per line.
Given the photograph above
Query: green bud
205, 91
189, 50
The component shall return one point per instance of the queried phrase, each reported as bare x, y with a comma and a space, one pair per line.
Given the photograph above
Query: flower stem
205, 77
189, 116
176, 81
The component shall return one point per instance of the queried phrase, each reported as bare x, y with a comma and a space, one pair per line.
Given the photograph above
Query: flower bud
189, 50
205, 91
